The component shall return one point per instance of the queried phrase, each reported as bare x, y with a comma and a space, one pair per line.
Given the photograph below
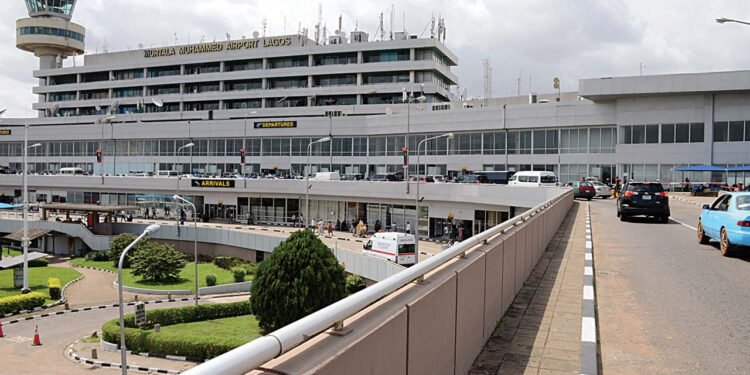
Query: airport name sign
217, 47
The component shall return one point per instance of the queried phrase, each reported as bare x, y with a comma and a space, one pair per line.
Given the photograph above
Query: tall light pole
409, 99
723, 20
417, 199
244, 147
104, 121
153, 228
195, 240
25, 238
307, 175
176, 156
330, 135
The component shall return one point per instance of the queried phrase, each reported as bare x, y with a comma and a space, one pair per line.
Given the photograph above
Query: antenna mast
487, 81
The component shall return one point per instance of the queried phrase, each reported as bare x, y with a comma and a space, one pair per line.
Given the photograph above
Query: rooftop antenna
284, 25
518, 88
432, 27
390, 29
202, 38
229, 37
325, 34
319, 24
641, 65
265, 25
105, 46
487, 81
356, 25
175, 38
140, 45
403, 21
340, 23
380, 27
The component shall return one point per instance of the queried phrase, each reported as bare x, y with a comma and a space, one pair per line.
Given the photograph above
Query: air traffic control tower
49, 33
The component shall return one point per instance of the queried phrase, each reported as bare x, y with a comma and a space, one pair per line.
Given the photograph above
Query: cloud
535, 40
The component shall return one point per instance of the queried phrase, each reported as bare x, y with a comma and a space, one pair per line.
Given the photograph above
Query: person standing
394, 228
294, 220
408, 227
330, 229
460, 232
446, 232
312, 224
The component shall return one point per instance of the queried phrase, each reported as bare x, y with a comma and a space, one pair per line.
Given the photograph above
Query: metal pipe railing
263, 349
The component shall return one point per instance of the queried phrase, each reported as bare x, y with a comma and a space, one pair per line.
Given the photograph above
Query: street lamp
174, 166
195, 240
153, 228
25, 238
723, 20
244, 147
409, 100
416, 224
307, 175
103, 121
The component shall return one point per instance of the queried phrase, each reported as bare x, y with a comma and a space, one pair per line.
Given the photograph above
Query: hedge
54, 286
164, 343
22, 302
39, 262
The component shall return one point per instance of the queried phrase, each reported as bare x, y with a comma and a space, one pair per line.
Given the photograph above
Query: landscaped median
195, 332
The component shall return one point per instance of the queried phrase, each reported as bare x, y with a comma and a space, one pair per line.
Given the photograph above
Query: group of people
321, 227
453, 232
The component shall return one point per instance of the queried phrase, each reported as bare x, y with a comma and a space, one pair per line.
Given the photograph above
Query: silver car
602, 190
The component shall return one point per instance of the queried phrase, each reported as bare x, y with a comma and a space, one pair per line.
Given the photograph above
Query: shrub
300, 277
54, 286
210, 279
21, 302
39, 262
157, 262
225, 262
97, 256
173, 344
118, 244
239, 274
354, 283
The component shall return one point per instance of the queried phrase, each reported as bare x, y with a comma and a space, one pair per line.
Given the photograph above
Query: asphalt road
667, 304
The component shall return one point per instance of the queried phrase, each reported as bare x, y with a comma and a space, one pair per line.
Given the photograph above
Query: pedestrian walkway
687, 198
541, 331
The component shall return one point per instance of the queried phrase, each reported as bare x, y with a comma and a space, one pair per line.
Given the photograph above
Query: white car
602, 190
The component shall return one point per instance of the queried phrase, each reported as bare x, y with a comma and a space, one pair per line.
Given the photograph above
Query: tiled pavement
541, 331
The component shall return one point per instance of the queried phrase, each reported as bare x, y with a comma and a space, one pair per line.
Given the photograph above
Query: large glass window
667, 133
721, 131
696, 132
652, 133
736, 130
639, 134
574, 141
545, 141
494, 143
385, 56
287, 62
338, 59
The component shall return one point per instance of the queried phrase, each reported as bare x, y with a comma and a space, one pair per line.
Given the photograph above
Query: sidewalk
687, 198
541, 331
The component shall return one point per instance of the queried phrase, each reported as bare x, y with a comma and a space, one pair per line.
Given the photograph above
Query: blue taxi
727, 220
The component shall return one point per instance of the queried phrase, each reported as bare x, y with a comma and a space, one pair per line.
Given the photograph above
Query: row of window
732, 131
487, 143
662, 133
41, 30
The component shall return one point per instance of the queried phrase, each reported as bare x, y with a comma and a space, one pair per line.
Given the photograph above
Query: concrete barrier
243, 287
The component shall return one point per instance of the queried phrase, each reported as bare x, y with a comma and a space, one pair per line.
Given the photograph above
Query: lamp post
25, 238
103, 121
153, 228
195, 240
244, 147
409, 99
176, 156
307, 175
416, 224
723, 20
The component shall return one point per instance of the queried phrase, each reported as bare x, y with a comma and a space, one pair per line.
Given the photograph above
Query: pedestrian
312, 224
146, 215
353, 227
330, 229
408, 227
301, 221
461, 232
294, 220
320, 227
394, 228
182, 220
446, 232
687, 184
377, 225
338, 224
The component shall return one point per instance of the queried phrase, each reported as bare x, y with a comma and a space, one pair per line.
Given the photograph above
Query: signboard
5, 131
212, 183
140, 314
18, 277
281, 41
275, 124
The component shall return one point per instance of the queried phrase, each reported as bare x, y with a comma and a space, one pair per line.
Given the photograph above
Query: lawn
185, 282
237, 330
37, 280
8, 252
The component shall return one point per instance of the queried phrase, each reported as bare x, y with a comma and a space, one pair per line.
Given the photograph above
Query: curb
86, 361
589, 338
157, 355
89, 308
44, 307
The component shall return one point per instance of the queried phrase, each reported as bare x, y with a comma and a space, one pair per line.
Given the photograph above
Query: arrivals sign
212, 183
275, 124
282, 41
4, 131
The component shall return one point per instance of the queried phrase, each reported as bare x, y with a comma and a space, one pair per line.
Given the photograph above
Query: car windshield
743, 202
651, 188
548, 179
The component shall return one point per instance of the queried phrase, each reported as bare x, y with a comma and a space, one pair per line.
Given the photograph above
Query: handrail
263, 349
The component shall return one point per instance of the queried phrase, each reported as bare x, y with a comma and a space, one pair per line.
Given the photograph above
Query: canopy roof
711, 168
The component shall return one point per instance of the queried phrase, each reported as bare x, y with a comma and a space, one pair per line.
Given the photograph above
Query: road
667, 304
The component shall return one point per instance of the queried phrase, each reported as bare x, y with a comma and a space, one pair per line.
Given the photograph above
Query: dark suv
643, 198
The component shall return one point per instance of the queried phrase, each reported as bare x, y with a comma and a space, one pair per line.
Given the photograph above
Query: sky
534, 40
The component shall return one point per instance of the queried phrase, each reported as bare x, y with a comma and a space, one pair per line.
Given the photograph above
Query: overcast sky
534, 39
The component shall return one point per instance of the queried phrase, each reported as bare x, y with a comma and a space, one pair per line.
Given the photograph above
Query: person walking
394, 228
461, 232
330, 229
312, 224
294, 220
408, 227
446, 232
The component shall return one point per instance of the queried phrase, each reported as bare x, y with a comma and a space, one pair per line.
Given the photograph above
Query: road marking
587, 256
588, 329
683, 224
588, 271
589, 244
588, 292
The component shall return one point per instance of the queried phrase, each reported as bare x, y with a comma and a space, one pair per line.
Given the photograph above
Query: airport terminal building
270, 97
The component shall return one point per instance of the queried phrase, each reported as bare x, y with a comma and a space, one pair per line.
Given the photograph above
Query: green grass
185, 281
7, 252
236, 330
37, 280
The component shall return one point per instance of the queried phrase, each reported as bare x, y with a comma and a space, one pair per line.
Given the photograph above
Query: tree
156, 262
117, 245
300, 277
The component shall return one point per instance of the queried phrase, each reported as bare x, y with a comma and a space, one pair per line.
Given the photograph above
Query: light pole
307, 176
25, 239
244, 147
195, 240
174, 167
409, 99
417, 199
723, 20
104, 121
330, 135
153, 228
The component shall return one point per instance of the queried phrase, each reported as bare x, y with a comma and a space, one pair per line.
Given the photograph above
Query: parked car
533, 178
421, 179
352, 176
389, 177
472, 179
326, 176
582, 189
643, 198
602, 190
727, 220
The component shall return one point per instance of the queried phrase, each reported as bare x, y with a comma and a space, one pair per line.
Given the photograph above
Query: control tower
49, 33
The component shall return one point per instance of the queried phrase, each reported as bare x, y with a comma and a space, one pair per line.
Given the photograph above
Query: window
574, 141
233, 66
122, 75
545, 141
286, 83
494, 143
381, 78
721, 131
342, 59
385, 56
287, 62
467, 144
667, 133
652, 133
639, 134
736, 130
337, 80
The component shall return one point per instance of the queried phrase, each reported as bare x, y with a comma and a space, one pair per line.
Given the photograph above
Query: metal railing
263, 349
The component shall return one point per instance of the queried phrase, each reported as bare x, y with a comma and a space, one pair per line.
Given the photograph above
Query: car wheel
588, 198
664, 219
623, 217
726, 248
702, 238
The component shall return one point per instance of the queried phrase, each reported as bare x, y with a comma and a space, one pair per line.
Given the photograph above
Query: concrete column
221, 67
412, 54
360, 58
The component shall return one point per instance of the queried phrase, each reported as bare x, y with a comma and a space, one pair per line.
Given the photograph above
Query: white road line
588, 329
683, 224
587, 256
589, 244
588, 271
588, 292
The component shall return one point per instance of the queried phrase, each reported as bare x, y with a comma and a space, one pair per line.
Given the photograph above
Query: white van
533, 178
72, 171
167, 173
396, 247
326, 176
